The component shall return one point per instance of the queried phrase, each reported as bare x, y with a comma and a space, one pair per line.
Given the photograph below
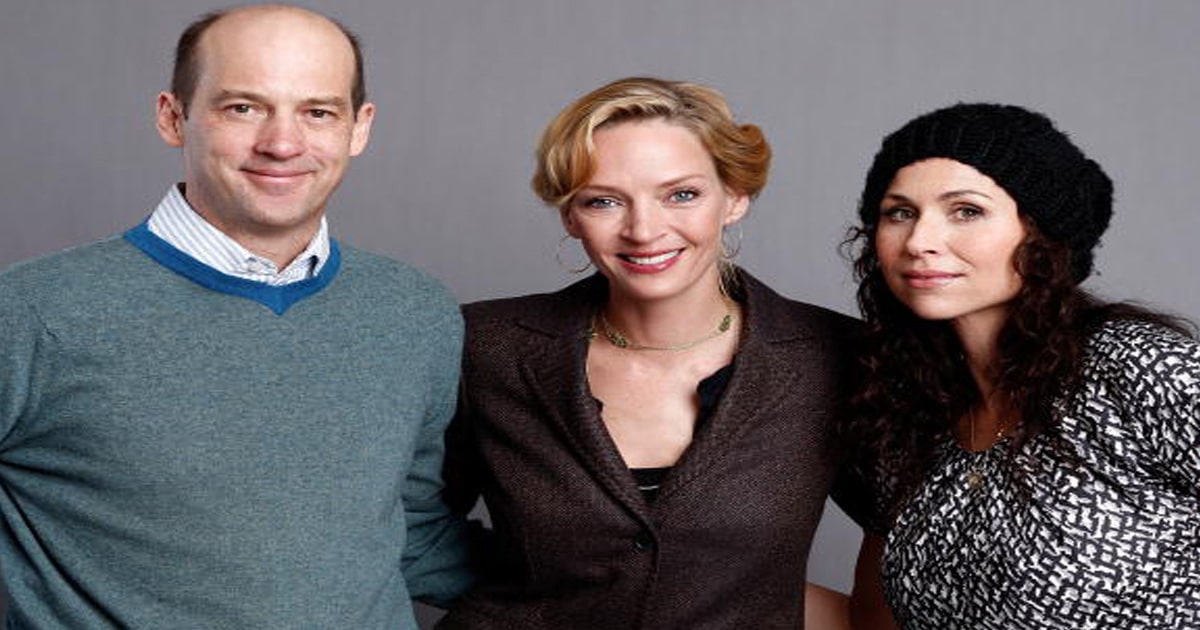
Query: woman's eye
599, 203
967, 213
684, 196
897, 213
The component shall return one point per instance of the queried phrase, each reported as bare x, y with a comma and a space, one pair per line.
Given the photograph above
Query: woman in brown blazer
653, 443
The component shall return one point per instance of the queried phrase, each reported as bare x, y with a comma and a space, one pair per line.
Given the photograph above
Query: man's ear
169, 119
362, 129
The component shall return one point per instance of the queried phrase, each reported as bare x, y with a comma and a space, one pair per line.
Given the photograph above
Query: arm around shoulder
868, 609
825, 609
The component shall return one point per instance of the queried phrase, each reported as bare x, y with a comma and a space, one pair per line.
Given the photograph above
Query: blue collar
278, 299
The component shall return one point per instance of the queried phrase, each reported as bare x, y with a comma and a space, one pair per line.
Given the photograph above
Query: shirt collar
177, 223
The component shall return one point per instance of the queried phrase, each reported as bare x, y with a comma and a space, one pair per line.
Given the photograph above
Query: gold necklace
616, 338
975, 474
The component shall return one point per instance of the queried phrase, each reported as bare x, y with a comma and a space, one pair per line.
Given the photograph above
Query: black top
709, 390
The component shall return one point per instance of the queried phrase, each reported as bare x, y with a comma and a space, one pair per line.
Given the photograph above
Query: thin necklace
975, 474
616, 338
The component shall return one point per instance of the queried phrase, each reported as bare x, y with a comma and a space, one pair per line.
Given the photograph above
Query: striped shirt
177, 223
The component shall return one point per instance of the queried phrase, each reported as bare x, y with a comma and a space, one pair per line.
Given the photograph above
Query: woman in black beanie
1033, 452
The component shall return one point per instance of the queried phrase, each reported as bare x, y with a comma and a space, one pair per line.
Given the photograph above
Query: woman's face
650, 217
946, 239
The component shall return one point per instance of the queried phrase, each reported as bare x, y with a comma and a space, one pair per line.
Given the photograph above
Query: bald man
223, 418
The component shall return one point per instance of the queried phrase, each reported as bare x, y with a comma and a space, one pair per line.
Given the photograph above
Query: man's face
270, 128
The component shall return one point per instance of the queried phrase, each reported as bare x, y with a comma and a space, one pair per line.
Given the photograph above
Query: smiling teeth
653, 260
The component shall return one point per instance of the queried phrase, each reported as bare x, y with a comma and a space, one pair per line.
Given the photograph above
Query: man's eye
240, 108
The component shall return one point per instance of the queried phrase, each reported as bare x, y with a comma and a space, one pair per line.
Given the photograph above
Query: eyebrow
328, 101
225, 95
667, 184
681, 179
950, 194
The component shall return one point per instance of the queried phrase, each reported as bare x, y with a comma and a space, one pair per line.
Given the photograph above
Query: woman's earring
558, 256
731, 244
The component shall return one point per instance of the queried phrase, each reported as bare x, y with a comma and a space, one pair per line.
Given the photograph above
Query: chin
639, 292
932, 312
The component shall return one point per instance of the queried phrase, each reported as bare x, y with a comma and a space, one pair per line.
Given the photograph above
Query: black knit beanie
1067, 195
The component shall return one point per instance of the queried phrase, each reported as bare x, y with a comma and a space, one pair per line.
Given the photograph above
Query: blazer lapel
764, 372
558, 378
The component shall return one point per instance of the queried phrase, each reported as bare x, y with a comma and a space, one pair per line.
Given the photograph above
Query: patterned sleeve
1155, 374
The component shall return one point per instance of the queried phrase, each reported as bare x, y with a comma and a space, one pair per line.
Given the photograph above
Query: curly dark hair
914, 384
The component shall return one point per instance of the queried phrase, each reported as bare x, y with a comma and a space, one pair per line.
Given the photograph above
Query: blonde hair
564, 154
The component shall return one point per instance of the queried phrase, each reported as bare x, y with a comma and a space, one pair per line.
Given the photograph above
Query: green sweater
179, 449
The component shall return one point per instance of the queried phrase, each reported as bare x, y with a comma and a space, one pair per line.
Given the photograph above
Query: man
224, 419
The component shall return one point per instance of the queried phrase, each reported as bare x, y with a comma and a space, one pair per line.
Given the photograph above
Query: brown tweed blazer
575, 546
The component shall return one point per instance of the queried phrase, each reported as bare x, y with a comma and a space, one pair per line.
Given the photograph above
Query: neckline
276, 298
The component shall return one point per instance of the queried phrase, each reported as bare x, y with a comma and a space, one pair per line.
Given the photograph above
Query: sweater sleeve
21, 338
436, 562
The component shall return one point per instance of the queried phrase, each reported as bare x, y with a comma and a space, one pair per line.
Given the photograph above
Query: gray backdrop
464, 87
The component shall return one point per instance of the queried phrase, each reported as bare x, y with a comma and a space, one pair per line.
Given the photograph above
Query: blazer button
643, 541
